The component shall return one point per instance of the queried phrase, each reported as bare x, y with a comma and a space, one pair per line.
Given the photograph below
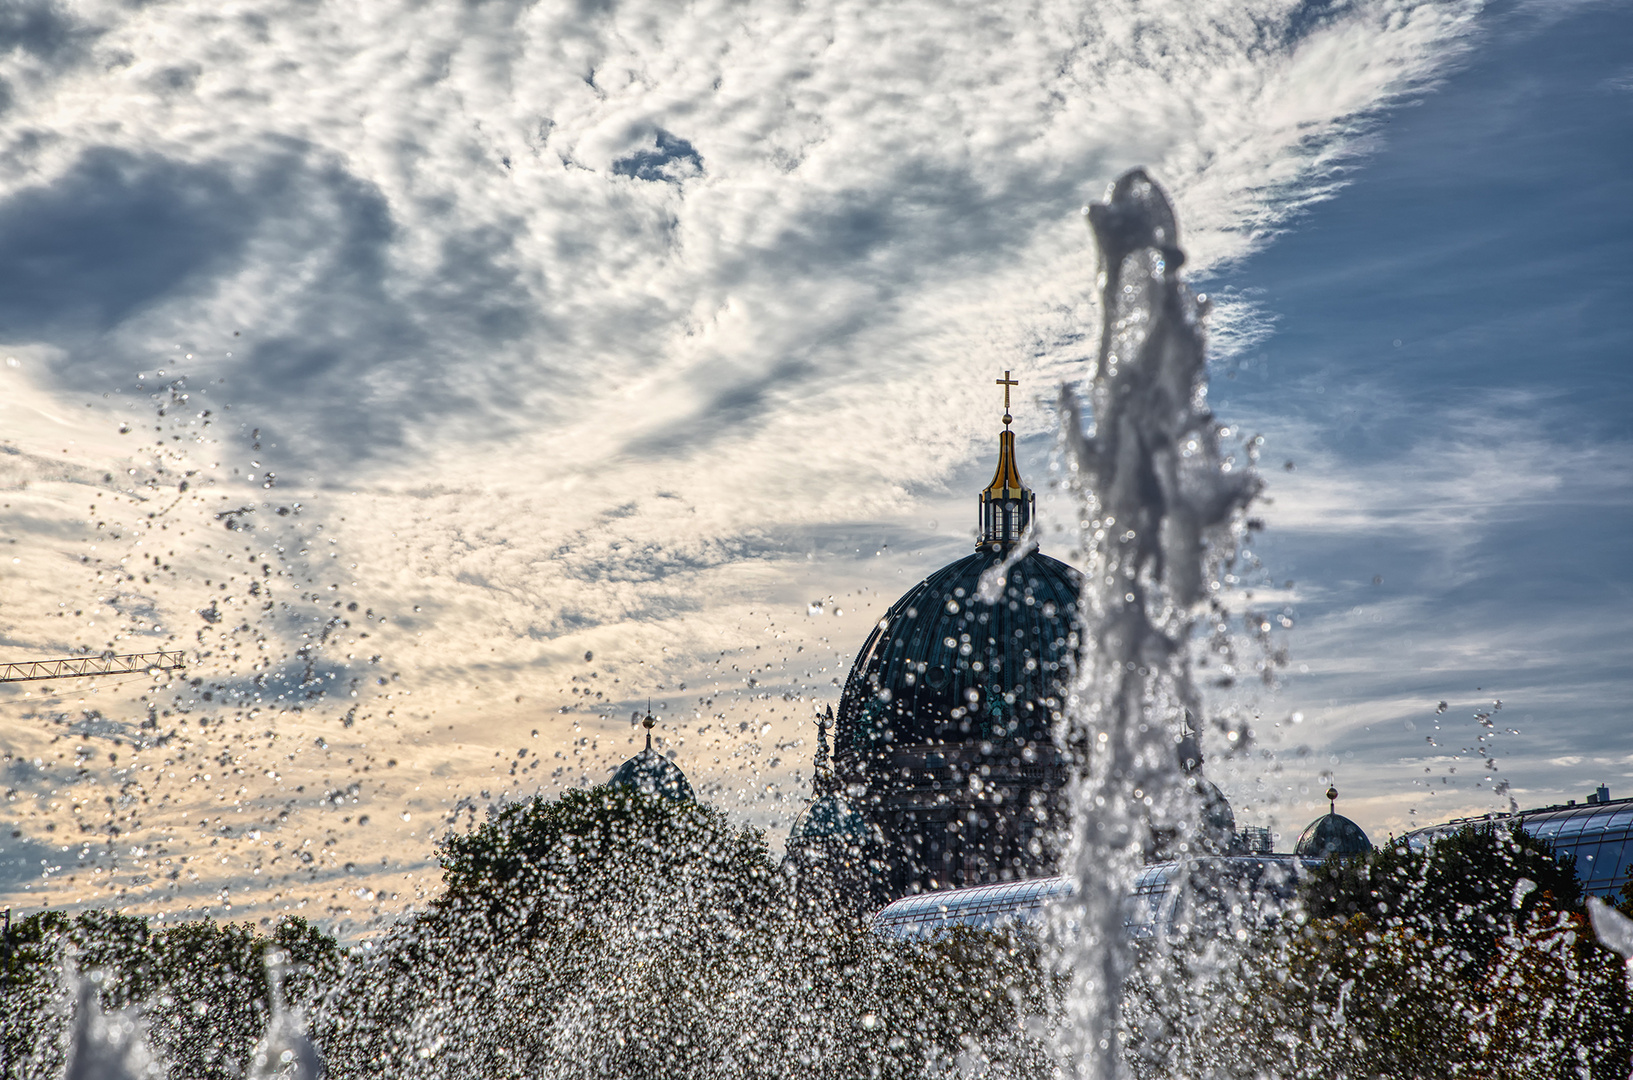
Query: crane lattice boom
75, 667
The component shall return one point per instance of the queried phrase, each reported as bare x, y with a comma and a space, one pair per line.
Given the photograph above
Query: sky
449, 380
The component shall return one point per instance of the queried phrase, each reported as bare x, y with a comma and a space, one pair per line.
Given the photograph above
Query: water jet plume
1160, 501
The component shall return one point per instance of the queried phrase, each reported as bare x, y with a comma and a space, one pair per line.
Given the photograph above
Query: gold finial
1006, 382
649, 723
1332, 797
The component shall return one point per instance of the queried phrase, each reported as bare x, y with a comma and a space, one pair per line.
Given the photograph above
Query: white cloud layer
608, 328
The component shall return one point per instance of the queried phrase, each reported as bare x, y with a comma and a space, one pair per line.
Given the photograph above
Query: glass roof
1270, 878
986, 906
1600, 835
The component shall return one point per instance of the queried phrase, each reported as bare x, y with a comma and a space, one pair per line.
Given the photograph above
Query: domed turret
1332, 834
833, 848
830, 817
650, 773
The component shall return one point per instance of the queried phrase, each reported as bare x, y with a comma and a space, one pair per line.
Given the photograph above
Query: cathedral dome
650, 773
944, 739
1332, 834
945, 666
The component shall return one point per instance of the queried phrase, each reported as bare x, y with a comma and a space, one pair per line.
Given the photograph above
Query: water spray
1159, 504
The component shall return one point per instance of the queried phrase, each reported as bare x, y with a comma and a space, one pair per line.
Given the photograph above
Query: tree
1468, 889
610, 933
606, 852
1469, 958
612, 928
202, 987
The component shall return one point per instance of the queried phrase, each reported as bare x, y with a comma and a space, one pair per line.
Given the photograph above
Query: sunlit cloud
556, 360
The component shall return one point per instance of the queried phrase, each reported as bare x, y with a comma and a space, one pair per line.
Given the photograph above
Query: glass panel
1588, 870
1622, 818
1601, 818
1575, 823
1617, 859
1544, 829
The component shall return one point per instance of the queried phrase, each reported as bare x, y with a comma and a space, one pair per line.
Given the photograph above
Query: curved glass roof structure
984, 907
1598, 834
1228, 894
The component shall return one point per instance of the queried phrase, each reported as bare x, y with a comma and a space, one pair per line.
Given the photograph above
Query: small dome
1332, 834
1217, 816
650, 773
830, 817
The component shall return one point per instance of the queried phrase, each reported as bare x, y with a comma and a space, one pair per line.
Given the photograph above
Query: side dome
650, 773
944, 666
1332, 834
830, 817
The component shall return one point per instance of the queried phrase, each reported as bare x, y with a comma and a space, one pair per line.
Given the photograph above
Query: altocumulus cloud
590, 321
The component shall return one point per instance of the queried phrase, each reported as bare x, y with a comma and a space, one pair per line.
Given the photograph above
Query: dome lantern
1005, 504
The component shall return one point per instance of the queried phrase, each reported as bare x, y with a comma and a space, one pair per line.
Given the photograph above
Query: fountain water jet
1160, 503
107, 1046
284, 1052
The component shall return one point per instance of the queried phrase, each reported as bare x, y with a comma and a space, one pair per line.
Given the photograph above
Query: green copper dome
830, 817
650, 773
944, 666
1332, 834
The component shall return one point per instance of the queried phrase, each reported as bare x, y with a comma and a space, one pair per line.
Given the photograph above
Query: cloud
627, 329
113, 234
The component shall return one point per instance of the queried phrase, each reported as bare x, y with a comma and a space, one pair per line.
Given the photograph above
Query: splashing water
1614, 930
107, 1046
115, 1046
284, 1052
1160, 500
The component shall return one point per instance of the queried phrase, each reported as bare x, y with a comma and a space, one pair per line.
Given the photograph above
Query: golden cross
1006, 382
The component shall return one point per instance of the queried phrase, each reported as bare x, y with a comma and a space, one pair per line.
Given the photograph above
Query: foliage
1468, 891
1472, 958
201, 987
603, 854
614, 933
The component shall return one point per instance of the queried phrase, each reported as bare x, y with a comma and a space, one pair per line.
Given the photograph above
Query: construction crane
75, 667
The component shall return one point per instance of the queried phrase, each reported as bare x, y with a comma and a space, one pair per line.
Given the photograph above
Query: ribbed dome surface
650, 773
830, 816
942, 666
1332, 834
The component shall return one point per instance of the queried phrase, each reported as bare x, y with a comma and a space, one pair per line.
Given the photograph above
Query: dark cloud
42, 29
23, 859
117, 232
